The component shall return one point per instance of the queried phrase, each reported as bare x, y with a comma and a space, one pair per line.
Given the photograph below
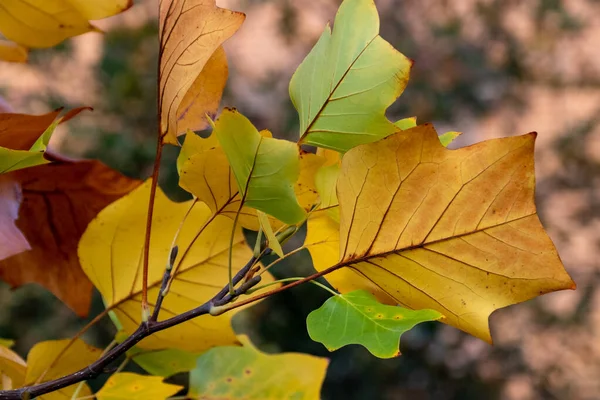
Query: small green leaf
12, 160
406, 123
163, 363
343, 87
127, 385
8, 343
448, 137
265, 168
236, 373
358, 318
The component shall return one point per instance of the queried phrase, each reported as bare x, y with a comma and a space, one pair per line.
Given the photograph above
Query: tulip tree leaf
343, 87
111, 248
192, 63
165, 362
237, 373
265, 168
456, 230
358, 318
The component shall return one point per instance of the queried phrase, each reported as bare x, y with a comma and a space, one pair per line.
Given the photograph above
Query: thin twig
219, 304
154, 184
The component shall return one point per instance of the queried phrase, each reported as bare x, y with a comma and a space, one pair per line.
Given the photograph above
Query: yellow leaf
236, 373
110, 252
13, 367
42, 356
127, 385
98, 9
451, 230
205, 172
10, 51
190, 32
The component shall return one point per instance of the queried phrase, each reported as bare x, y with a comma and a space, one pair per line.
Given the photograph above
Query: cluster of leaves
404, 229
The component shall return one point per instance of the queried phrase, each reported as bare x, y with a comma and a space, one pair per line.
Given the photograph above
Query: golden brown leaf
190, 32
59, 200
452, 230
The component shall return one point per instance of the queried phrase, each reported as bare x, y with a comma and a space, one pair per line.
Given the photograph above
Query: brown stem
155, 171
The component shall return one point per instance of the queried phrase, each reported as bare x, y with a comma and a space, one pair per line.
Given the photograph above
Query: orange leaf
59, 200
451, 230
190, 32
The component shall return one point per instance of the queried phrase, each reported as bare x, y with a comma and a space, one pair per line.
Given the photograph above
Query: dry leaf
59, 200
190, 32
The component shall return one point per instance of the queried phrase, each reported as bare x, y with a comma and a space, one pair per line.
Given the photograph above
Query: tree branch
223, 297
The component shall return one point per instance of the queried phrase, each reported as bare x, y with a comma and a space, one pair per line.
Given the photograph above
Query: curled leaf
190, 33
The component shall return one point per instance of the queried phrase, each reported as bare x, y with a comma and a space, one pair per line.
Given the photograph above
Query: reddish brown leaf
59, 200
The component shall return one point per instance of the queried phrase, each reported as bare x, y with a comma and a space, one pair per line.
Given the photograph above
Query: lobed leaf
110, 252
192, 65
41, 359
454, 230
58, 202
265, 168
351, 76
247, 373
358, 318
127, 385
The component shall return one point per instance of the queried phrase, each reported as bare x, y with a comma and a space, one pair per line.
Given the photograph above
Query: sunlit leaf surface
343, 87
127, 385
358, 318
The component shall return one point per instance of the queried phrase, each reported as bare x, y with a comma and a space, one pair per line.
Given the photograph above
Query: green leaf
448, 137
265, 168
343, 87
127, 385
12, 160
8, 343
236, 373
406, 123
358, 318
163, 363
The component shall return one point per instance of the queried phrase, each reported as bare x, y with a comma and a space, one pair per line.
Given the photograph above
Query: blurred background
488, 68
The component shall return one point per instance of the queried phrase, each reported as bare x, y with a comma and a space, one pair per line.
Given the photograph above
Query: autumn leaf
127, 385
191, 75
12, 369
41, 360
265, 168
24, 138
47, 23
323, 228
247, 373
110, 252
455, 230
204, 171
12, 52
165, 363
58, 201
358, 318
343, 87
